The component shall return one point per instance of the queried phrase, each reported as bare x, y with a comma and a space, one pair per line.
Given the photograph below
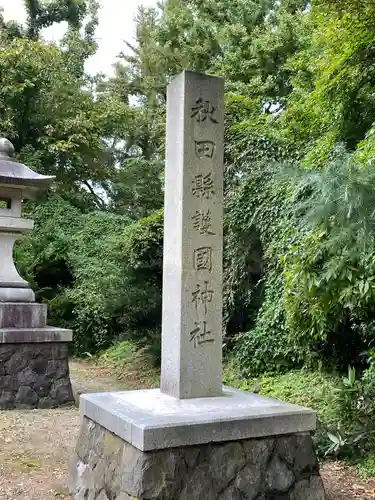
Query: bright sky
116, 23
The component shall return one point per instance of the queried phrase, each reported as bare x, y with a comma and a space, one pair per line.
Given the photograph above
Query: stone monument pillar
34, 371
193, 239
194, 439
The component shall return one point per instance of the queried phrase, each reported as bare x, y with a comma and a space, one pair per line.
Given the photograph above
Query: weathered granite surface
191, 361
151, 420
108, 468
34, 375
23, 315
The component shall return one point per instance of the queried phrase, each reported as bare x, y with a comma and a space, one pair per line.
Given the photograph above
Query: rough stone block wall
276, 468
34, 375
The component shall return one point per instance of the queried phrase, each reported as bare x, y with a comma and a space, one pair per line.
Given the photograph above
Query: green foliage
269, 347
259, 228
100, 273
95, 257
41, 256
366, 468
130, 363
117, 288
329, 268
344, 405
137, 189
332, 100
310, 389
317, 239
353, 434
299, 184
53, 123
141, 312
120, 353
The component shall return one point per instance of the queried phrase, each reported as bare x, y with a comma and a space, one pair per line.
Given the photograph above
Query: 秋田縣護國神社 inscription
192, 277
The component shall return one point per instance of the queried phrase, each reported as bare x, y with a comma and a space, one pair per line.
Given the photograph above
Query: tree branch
98, 199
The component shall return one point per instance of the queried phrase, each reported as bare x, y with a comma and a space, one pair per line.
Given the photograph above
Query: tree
332, 100
48, 107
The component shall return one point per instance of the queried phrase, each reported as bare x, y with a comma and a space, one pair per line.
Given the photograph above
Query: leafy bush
41, 256
366, 468
268, 347
317, 287
117, 290
329, 270
254, 239
96, 259
353, 434
140, 318
100, 273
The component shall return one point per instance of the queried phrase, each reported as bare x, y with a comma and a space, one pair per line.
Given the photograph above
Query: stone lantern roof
18, 176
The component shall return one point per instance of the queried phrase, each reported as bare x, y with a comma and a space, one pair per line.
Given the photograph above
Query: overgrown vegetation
344, 406
299, 182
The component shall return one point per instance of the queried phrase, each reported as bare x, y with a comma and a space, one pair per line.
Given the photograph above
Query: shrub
140, 318
117, 291
269, 347
42, 255
353, 434
366, 468
317, 286
99, 272
329, 270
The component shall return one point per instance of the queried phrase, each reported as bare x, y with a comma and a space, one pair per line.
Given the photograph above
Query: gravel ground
36, 447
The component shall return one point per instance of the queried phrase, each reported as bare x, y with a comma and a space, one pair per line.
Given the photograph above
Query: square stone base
34, 369
106, 467
23, 315
150, 420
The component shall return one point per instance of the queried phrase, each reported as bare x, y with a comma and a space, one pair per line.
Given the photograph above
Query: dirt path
342, 483
36, 447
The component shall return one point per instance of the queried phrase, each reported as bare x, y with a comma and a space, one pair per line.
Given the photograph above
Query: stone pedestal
146, 445
34, 369
106, 467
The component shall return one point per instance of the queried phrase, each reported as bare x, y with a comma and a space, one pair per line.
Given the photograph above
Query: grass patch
22, 463
127, 363
121, 353
366, 467
315, 390
311, 389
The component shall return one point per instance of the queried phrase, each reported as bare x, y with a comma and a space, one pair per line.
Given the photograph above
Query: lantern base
34, 369
16, 295
23, 315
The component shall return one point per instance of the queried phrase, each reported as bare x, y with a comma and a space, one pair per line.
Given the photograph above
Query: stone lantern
34, 369
17, 183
